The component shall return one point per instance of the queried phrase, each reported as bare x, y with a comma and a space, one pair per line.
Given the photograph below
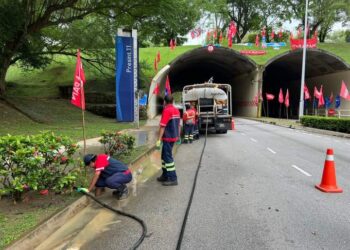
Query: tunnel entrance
284, 71
224, 65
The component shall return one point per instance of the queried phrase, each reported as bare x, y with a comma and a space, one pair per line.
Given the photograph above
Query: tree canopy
33, 31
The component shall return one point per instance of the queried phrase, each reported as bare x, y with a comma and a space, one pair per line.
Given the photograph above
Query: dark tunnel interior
199, 65
285, 72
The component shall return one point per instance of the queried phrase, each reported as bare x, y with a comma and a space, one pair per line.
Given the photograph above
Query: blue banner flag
328, 102
125, 79
337, 102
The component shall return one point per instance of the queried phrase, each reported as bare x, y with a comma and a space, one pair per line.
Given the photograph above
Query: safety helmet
89, 158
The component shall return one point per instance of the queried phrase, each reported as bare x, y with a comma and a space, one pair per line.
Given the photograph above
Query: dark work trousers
116, 181
189, 132
168, 164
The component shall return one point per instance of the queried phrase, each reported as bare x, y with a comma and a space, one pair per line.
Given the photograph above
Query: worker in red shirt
169, 133
110, 173
196, 127
189, 120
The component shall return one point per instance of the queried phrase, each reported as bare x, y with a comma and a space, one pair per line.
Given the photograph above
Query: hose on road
179, 241
134, 217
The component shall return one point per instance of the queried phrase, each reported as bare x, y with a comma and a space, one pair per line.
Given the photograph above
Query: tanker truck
213, 102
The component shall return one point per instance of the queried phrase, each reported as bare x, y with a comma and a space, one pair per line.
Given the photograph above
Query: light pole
301, 103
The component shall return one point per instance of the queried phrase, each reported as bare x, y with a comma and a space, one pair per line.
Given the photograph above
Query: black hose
179, 241
134, 217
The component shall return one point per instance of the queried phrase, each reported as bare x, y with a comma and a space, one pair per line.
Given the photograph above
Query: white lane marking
243, 133
304, 172
318, 136
252, 139
336, 141
269, 149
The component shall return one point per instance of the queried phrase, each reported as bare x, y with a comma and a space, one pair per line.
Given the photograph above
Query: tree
33, 31
323, 14
245, 14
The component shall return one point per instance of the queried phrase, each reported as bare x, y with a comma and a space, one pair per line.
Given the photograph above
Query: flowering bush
116, 143
37, 162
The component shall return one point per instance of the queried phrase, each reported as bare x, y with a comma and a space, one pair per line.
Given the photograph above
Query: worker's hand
178, 142
82, 190
158, 144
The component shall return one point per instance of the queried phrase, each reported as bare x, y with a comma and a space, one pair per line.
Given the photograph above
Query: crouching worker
109, 173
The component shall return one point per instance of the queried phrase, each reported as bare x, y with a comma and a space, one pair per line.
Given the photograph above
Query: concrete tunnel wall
198, 65
284, 71
331, 83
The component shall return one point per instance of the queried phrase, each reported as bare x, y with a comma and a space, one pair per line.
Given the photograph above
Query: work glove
158, 144
178, 142
82, 190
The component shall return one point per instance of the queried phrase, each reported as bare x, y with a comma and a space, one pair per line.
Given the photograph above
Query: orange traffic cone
232, 124
329, 182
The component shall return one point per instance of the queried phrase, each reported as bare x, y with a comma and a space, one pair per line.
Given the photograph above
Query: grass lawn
15, 220
56, 115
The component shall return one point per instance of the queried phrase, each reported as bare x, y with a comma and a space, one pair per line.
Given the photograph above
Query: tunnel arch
284, 71
223, 64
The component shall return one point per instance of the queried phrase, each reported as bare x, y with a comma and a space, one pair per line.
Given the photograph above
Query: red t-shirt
171, 121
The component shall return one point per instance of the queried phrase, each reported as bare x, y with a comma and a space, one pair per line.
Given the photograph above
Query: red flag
221, 37
321, 101
331, 98
306, 92
256, 100
208, 35
78, 96
156, 90
229, 40
270, 97
215, 34
344, 92
257, 41
155, 65
286, 100
317, 93
263, 32
233, 28
315, 34
280, 34
172, 44
272, 35
280, 96
167, 86
158, 56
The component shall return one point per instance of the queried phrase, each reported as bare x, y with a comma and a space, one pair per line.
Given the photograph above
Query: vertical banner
126, 77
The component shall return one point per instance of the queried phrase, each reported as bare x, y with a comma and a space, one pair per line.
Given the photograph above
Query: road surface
255, 190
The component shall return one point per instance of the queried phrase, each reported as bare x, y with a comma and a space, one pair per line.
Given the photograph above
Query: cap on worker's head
89, 158
187, 105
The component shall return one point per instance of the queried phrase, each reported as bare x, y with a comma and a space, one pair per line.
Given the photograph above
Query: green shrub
37, 162
328, 123
116, 143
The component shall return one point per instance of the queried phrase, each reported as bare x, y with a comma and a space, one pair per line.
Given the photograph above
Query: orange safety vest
189, 117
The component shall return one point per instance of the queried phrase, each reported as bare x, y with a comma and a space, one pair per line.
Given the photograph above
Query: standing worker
110, 173
189, 120
169, 133
196, 127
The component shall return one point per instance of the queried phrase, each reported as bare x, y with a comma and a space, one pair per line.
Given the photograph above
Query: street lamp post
301, 103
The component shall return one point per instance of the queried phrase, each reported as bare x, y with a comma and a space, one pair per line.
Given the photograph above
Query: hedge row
327, 123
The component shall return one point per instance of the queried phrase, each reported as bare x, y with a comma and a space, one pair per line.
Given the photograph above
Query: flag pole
301, 101
280, 109
82, 100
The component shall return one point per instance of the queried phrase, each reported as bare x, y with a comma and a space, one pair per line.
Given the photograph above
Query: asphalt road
255, 191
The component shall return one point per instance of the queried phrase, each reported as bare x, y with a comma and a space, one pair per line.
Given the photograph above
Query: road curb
308, 129
43, 230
